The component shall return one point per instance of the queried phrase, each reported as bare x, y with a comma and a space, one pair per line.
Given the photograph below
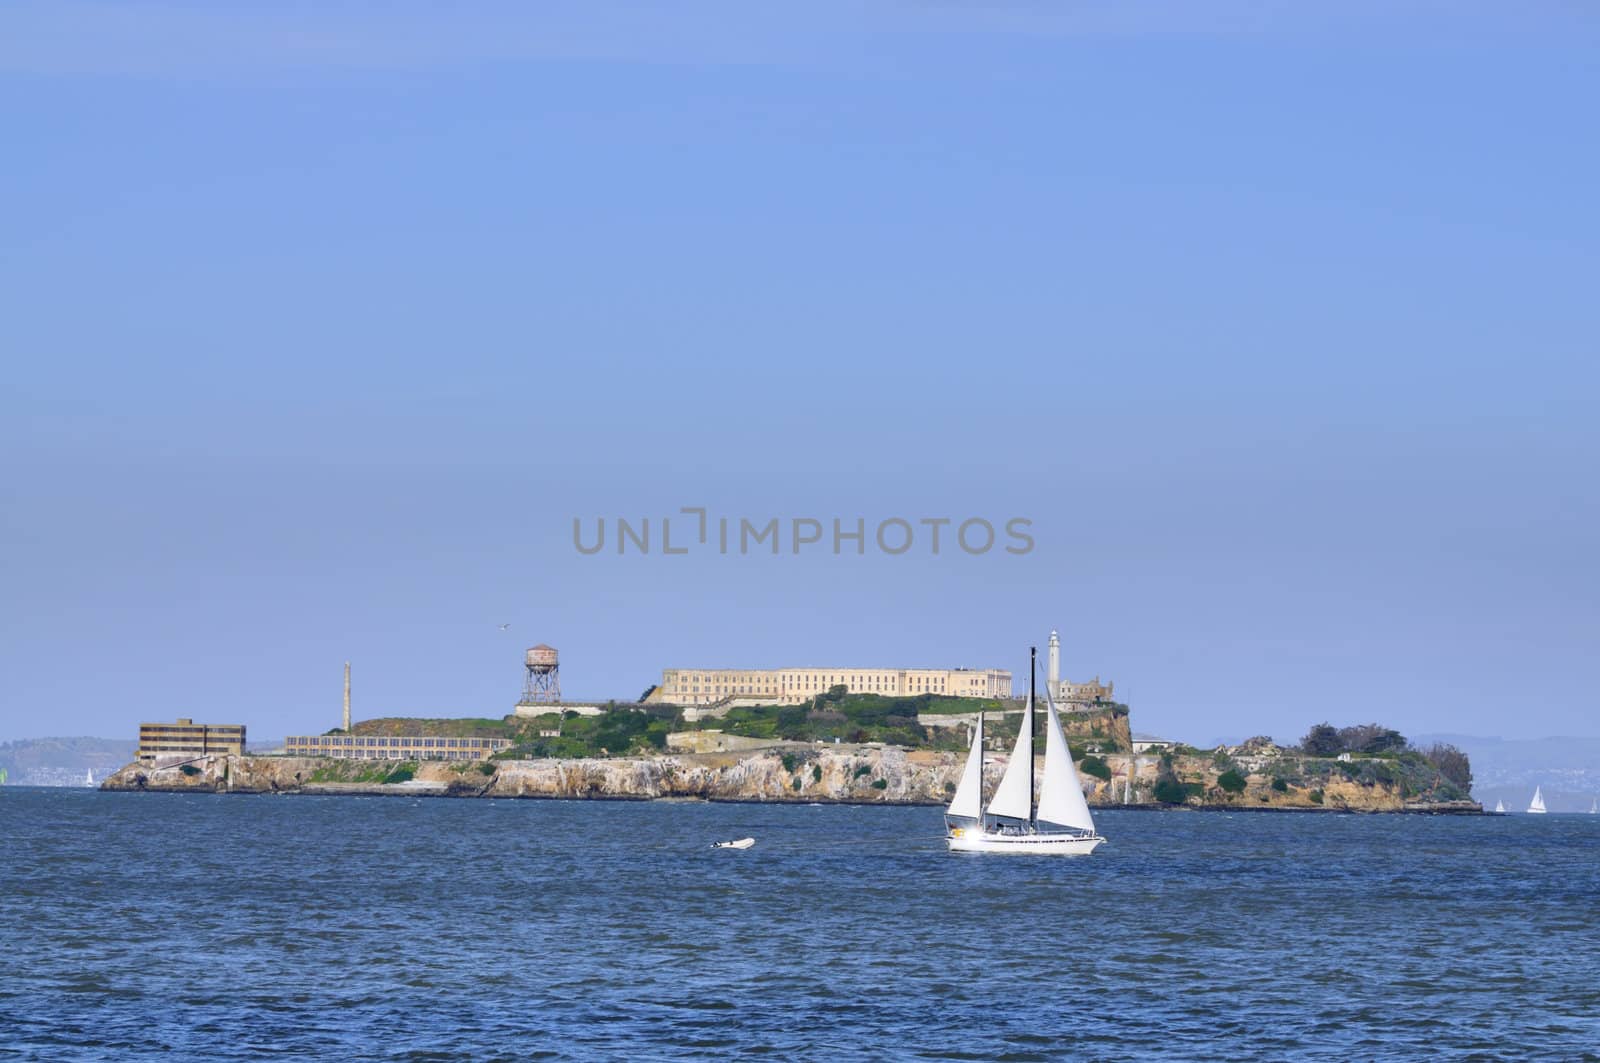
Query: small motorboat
737, 843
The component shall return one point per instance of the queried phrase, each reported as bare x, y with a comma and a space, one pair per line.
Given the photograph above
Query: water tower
543, 683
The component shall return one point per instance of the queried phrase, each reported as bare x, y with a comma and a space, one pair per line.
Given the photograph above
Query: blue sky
321, 324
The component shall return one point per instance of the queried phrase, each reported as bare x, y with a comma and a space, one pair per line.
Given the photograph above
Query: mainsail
1537, 804
968, 803
1061, 798
1014, 798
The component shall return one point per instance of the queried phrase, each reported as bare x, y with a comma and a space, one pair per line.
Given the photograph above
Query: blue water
140, 924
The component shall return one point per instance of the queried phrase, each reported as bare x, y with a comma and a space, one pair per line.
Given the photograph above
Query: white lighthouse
1053, 673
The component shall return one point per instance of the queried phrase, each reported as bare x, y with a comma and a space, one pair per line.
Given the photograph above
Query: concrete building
792, 686
393, 747
1068, 694
1143, 743
185, 738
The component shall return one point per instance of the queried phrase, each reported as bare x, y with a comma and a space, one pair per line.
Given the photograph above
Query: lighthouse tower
1053, 675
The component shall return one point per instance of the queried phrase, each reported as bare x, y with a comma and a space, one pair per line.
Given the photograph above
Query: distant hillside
62, 761
1507, 769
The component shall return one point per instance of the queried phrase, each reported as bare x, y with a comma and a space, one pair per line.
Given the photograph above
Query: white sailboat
1060, 825
1499, 808
1594, 807
1536, 806
89, 779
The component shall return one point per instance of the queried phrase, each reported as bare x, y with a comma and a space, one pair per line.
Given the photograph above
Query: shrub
795, 785
862, 770
1169, 791
1097, 767
189, 770
1316, 797
1231, 781
1280, 785
485, 768
816, 773
788, 762
880, 784
403, 773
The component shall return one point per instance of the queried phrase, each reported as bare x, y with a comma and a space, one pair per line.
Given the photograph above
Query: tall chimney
347, 697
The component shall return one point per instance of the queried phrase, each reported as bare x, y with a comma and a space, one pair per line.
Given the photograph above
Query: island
840, 747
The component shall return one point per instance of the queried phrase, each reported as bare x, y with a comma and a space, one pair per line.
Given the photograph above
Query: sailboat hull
976, 841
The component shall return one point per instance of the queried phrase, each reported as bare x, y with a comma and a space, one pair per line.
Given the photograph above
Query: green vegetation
1280, 785
845, 717
1169, 791
788, 762
1371, 754
1452, 764
1316, 797
189, 769
816, 773
419, 727
838, 715
619, 731
937, 706
1231, 781
335, 771
880, 784
402, 773
795, 785
1097, 767
1325, 740
485, 767
860, 771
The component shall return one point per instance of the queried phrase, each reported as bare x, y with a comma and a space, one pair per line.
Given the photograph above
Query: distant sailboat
1060, 824
1536, 806
1500, 808
1594, 807
88, 779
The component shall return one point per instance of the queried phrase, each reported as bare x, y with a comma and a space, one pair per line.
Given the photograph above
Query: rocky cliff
861, 775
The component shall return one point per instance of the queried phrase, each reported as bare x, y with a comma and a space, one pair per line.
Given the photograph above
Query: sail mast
1033, 668
982, 819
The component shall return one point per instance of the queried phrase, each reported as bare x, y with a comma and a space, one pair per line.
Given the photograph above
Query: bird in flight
504, 626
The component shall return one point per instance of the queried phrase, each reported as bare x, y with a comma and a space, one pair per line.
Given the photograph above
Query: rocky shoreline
797, 774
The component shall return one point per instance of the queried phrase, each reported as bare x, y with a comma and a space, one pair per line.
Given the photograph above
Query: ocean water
138, 925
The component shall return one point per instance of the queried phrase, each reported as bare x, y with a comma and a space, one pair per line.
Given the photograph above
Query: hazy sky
321, 323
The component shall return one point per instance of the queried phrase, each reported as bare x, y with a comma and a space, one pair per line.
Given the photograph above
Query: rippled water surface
137, 924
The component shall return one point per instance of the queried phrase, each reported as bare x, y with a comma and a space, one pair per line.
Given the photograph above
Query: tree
1371, 738
1452, 763
1231, 781
1322, 741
